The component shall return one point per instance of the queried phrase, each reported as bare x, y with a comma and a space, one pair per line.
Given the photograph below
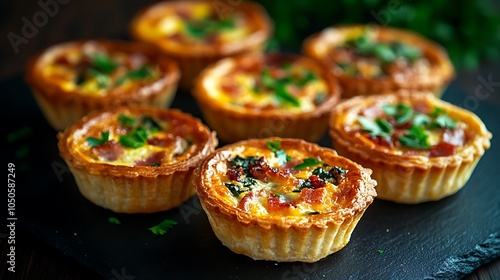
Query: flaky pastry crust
192, 58
278, 237
409, 178
62, 107
440, 72
135, 189
238, 123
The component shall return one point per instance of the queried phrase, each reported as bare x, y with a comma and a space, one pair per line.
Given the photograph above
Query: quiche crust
320, 46
407, 178
62, 106
192, 57
279, 237
238, 123
129, 188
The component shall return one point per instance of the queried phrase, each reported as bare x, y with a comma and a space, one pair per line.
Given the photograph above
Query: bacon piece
162, 141
230, 86
442, 149
235, 174
153, 159
312, 195
274, 204
245, 202
422, 107
258, 169
316, 182
108, 151
62, 60
292, 163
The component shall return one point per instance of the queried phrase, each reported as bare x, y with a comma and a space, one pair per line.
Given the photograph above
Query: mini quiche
263, 95
372, 59
419, 147
198, 33
136, 159
283, 199
71, 79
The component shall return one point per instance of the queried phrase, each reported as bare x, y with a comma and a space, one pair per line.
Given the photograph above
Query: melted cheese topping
189, 23
236, 88
167, 149
73, 70
283, 194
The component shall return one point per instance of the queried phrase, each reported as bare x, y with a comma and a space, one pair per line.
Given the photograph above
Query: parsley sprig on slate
163, 227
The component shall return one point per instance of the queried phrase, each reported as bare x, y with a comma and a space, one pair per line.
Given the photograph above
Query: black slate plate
414, 239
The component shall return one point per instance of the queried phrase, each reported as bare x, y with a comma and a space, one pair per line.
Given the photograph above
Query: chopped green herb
141, 73
331, 175
135, 139
285, 97
103, 63
163, 227
21, 133
415, 138
126, 120
23, 152
281, 155
92, 141
379, 127
402, 113
235, 189
421, 119
383, 52
409, 52
101, 79
114, 220
380, 251
267, 80
203, 28
307, 162
308, 77
150, 124
441, 119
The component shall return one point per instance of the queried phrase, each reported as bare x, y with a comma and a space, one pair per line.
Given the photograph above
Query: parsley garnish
285, 97
402, 113
163, 227
380, 251
415, 138
103, 63
280, 154
114, 220
143, 72
101, 79
126, 120
379, 127
385, 52
93, 142
307, 162
203, 28
135, 139
235, 189
442, 120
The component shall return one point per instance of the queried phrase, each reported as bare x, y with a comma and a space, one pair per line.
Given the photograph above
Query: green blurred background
468, 29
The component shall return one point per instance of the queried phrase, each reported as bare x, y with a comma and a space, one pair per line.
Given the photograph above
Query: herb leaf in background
163, 227
470, 34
